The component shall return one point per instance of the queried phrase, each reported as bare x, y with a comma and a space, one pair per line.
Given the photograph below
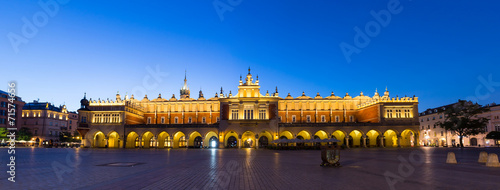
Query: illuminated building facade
45, 121
248, 118
433, 135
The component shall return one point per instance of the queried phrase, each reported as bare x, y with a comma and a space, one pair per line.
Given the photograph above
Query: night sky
439, 51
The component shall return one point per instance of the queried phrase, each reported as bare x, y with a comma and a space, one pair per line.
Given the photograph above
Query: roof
41, 106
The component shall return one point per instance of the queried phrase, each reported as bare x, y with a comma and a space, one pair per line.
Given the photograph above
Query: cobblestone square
374, 168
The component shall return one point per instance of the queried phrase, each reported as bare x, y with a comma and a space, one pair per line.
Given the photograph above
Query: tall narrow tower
185, 89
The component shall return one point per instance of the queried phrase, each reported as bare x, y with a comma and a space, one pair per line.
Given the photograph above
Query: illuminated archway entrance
194, 141
148, 140
211, 140
373, 139
114, 140
248, 139
303, 135
355, 139
339, 135
99, 140
214, 142
285, 135
390, 138
132, 140
408, 138
179, 140
265, 138
164, 140
231, 139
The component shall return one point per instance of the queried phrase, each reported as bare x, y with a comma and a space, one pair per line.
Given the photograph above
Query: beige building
45, 121
248, 118
433, 135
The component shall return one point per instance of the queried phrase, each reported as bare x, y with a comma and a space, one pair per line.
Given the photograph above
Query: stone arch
390, 138
355, 138
248, 139
195, 139
339, 135
373, 138
265, 138
286, 134
231, 139
211, 139
99, 140
164, 140
113, 140
408, 138
148, 140
321, 134
303, 135
132, 140
179, 140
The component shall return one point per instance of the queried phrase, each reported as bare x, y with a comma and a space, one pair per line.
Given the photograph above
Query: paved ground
408, 168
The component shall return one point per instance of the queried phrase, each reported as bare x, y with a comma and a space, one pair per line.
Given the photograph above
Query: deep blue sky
435, 50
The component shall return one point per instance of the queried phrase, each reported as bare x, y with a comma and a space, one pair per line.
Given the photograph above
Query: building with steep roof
248, 118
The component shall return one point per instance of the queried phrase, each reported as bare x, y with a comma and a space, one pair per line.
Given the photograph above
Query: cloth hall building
248, 119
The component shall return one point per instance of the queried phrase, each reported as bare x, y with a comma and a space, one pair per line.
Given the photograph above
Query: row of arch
250, 139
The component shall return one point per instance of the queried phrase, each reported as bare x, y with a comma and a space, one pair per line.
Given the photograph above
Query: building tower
185, 89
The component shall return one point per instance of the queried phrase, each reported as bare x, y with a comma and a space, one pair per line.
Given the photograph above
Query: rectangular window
434, 126
36, 132
293, 119
323, 119
162, 120
308, 119
428, 126
262, 114
149, 120
248, 114
203, 120
218, 119
337, 119
234, 114
176, 120
190, 120
441, 133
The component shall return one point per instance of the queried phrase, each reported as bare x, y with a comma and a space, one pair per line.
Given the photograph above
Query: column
239, 142
347, 142
382, 141
256, 141
187, 143
140, 142
107, 143
364, 141
399, 141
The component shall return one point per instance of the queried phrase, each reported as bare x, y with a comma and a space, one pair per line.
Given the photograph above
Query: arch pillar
140, 141
347, 141
364, 140
106, 141
239, 141
382, 141
399, 141
256, 141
